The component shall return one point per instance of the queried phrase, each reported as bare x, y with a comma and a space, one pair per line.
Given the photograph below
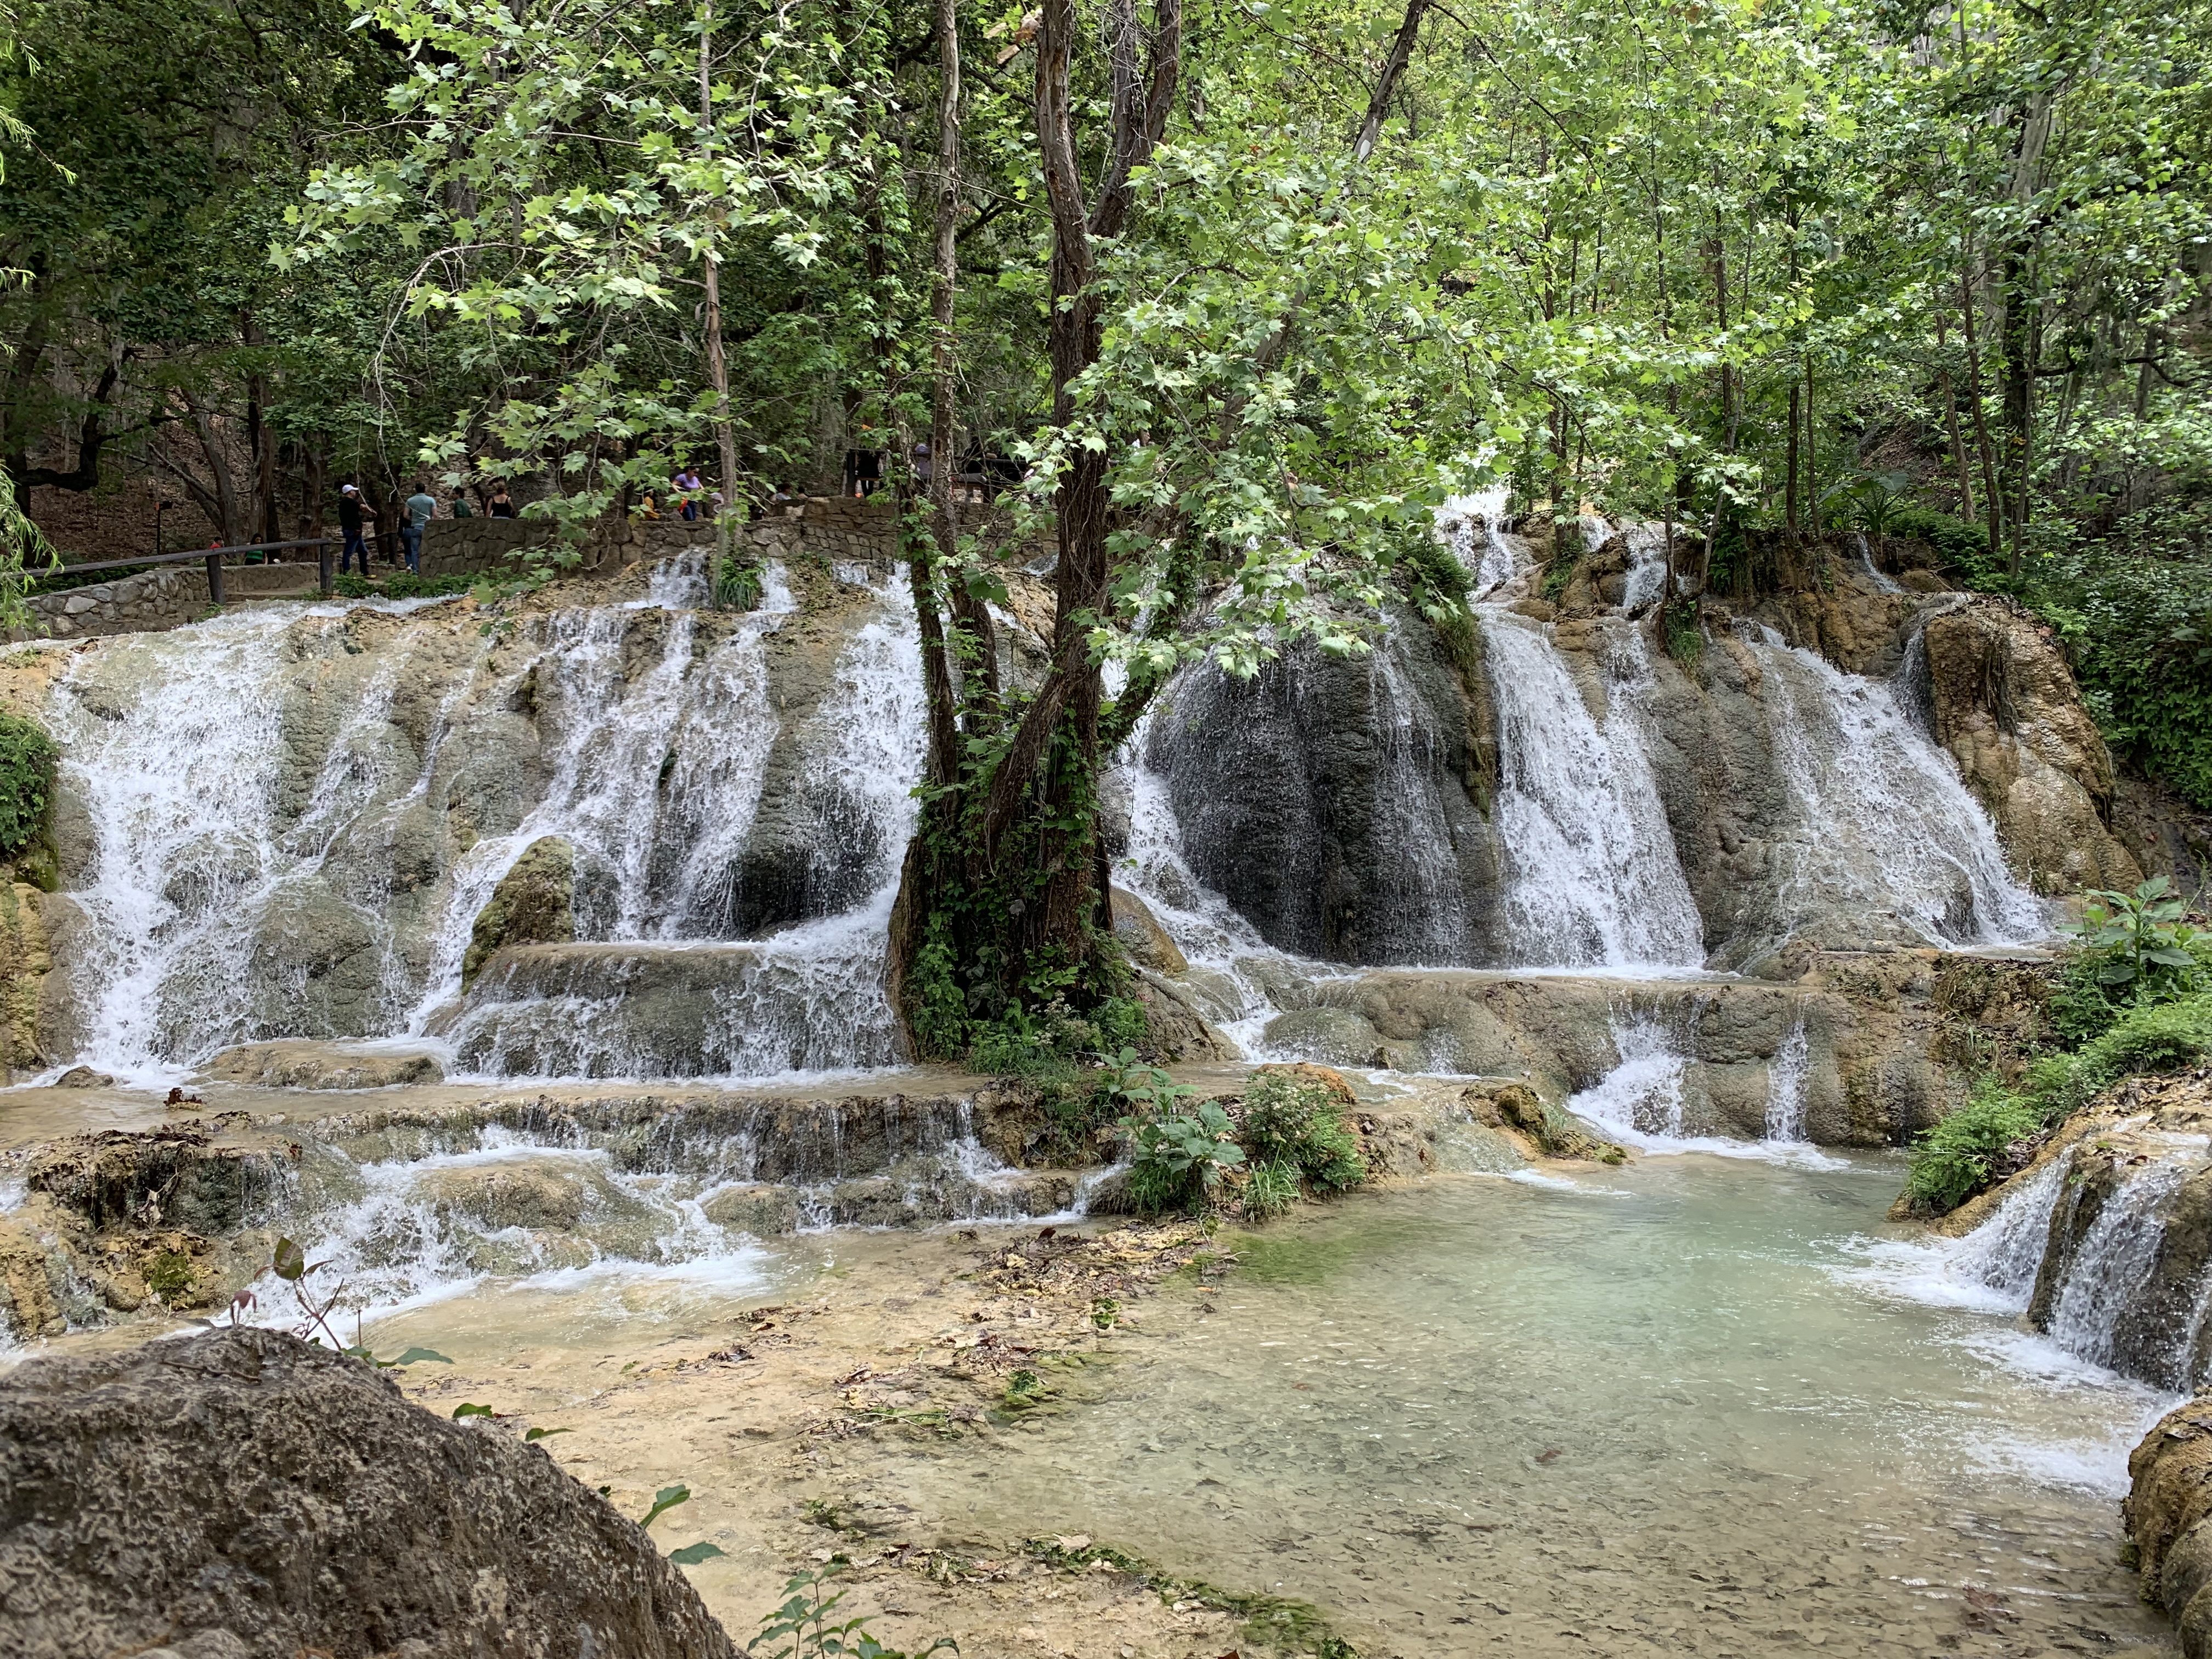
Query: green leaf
692, 1555
663, 1500
289, 1261
467, 1409
540, 1434
415, 1356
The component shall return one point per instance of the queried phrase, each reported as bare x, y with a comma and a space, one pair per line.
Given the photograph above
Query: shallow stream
1693, 1406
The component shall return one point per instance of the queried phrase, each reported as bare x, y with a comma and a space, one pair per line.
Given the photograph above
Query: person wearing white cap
351, 508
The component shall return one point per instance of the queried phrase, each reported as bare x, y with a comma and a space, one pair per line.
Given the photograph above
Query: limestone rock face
25, 961
2006, 706
2169, 1500
533, 904
242, 1493
304, 1064
1138, 933
1338, 804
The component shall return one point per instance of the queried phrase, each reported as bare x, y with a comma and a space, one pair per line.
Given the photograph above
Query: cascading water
808, 996
1593, 878
1640, 1101
1785, 1087
262, 843
1883, 823
175, 753
1473, 527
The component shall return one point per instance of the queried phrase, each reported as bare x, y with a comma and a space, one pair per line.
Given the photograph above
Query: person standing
688, 488
501, 505
421, 507
351, 510
461, 507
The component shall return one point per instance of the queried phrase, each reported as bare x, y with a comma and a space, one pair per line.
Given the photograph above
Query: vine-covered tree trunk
1003, 910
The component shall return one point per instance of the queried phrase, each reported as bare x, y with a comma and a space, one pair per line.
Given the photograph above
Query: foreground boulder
242, 1493
2169, 1499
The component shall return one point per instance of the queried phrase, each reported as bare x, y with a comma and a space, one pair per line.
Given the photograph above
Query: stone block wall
168, 596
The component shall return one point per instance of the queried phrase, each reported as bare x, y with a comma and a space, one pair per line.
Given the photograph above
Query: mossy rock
533, 904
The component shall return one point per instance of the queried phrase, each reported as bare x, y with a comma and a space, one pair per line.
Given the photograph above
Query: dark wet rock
242, 1494
533, 904
176, 1175
1337, 803
84, 1077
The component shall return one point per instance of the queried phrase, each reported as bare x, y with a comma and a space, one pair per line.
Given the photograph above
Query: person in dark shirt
351, 511
501, 506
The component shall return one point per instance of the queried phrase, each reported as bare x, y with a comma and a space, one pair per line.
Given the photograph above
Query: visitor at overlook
689, 489
461, 507
501, 505
422, 507
351, 510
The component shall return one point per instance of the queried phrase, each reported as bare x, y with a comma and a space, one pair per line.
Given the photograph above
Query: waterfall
264, 828
1883, 823
174, 750
1785, 1087
1593, 878
1639, 1101
1472, 528
1647, 569
2109, 1268
809, 996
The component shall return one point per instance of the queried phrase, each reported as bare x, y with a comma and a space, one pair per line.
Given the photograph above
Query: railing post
322, 552
215, 579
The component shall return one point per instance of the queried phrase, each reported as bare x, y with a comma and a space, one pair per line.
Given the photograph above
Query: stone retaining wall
168, 596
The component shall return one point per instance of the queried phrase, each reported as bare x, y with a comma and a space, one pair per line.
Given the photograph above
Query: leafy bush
1177, 1161
736, 587
1297, 1120
27, 756
1958, 1157
2139, 943
1952, 1161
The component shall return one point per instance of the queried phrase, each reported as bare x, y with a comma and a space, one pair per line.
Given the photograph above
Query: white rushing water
1592, 876
1884, 822
652, 737
182, 788
1785, 1087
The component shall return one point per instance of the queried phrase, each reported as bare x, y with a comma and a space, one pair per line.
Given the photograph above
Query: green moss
1275, 1621
170, 1275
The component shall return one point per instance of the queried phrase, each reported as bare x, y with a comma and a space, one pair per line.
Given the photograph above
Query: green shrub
1951, 1162
736, 587
27, 757
2139, 945
1177, 1161
1297, 1120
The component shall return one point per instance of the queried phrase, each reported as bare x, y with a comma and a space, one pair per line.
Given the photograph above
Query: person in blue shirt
422, 506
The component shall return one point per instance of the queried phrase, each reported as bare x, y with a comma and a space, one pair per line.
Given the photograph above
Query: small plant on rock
802, 1628
1297, 1120
1177, 1161
2142, 949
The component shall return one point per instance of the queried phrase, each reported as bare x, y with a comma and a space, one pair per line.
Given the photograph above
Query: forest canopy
1241, 290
